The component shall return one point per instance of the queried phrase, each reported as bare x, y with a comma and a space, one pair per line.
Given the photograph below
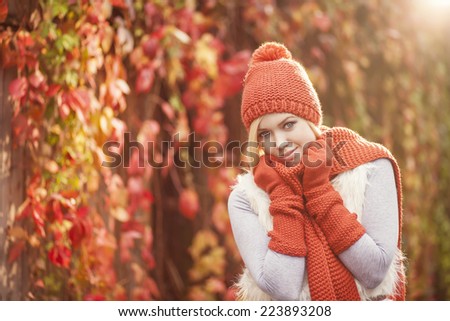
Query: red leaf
3, 10
60, 255
135, 185
237, 65
78, 100
150, 9
64, 111
69, 193
18, 88
150, 47
38, 221
190, 99
52, 90
57, 212
144, 81
36, 79
15, 251
188, 203
148, 258
81, 229
232, 72
82, 212
146, 200
133, 225
118, 4
34, 183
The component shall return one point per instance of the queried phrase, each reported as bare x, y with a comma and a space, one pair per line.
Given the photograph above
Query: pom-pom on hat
275, 83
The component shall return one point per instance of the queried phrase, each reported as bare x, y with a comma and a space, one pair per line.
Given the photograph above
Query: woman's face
283, 135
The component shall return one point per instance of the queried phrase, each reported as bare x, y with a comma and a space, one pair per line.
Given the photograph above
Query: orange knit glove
286, 208
323, 202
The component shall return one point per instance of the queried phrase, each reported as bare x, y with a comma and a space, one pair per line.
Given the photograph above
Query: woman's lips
288, 155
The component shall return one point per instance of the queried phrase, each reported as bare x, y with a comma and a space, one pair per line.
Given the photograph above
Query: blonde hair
254, 147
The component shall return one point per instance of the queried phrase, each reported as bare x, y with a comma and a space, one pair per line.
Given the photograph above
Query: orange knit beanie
275, 83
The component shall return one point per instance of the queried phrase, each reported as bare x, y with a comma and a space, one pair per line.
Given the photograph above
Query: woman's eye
263, 134
289, 124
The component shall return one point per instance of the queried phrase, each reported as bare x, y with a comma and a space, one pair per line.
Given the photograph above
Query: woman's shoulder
238, 193
380, 167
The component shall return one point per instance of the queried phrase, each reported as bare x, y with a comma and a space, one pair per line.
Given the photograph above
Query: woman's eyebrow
262, 129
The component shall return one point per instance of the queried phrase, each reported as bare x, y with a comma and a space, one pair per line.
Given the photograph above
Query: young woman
319, 216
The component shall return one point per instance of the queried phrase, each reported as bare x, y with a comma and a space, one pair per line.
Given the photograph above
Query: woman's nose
281, 143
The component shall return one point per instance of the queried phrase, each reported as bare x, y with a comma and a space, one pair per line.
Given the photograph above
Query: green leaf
59, 9
176, 103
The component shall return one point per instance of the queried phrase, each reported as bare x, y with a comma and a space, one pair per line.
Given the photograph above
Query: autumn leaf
150, 46
120, 214
36, 79
124, 40
220, 217
81, 229
24, 210
55, 212
16, 250
18, 88
52, 167
17, 233
52, 90
232, 73
188, 203
206, 55
60, 255
215, 285
3, 10
147, 199
37, 213
203, 240
144, 81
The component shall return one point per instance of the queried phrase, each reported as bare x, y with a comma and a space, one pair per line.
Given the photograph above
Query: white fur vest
351, 186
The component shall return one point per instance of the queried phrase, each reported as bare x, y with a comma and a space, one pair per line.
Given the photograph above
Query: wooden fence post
13, 279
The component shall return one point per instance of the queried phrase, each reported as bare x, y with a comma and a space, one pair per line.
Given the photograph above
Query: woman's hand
324, 204
286, 208
317, 165
265, 174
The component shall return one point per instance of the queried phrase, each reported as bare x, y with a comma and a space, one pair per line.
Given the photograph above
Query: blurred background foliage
86, 72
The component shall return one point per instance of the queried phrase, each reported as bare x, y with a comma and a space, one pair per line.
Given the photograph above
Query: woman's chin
293, 162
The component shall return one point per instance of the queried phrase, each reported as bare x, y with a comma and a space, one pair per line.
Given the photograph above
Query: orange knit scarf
328, 278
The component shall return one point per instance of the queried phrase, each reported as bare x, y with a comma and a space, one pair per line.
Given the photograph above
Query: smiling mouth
288, 155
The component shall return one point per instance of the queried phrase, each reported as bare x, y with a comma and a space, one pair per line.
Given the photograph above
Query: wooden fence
13, 277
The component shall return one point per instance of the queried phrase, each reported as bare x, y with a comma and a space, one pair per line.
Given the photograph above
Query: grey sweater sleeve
281, 276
